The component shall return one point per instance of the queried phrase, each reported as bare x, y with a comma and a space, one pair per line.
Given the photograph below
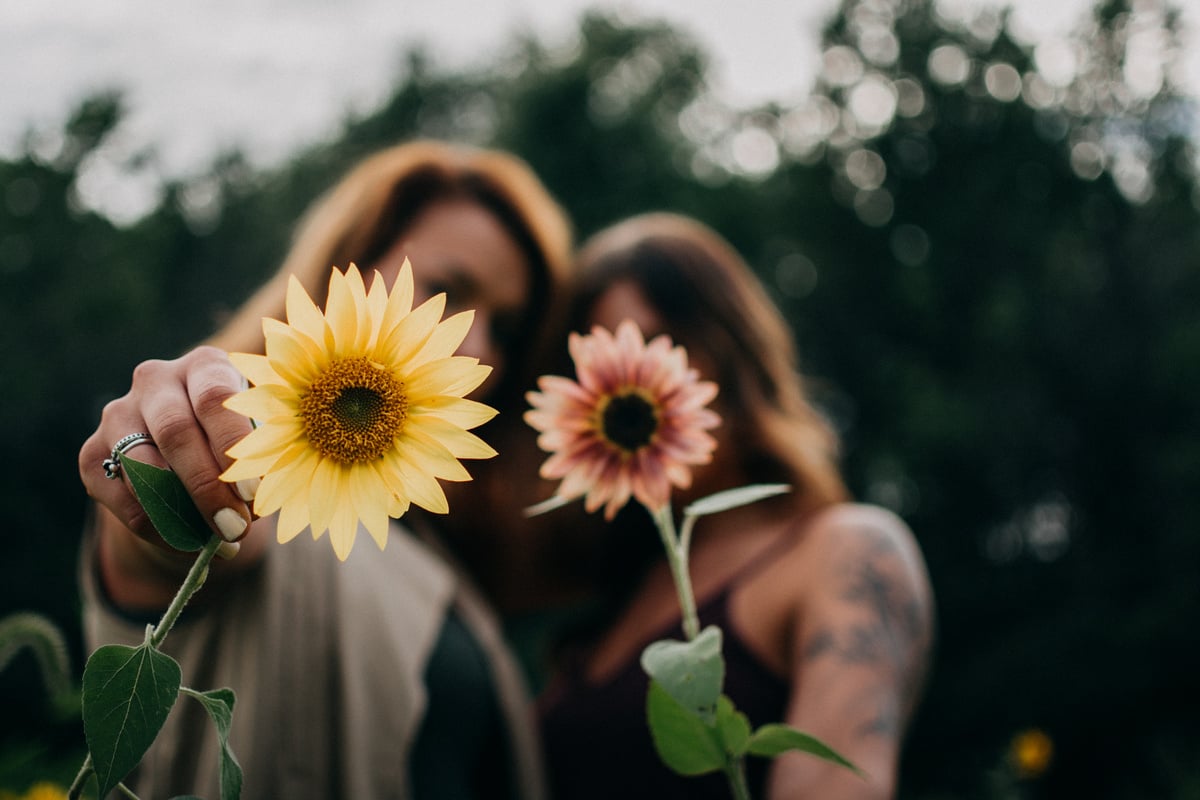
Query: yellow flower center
353, 411
628, 420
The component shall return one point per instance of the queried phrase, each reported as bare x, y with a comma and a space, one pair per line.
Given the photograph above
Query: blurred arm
861, 648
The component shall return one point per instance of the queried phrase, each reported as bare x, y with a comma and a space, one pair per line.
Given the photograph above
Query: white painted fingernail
228, 550
229, 523
247, 488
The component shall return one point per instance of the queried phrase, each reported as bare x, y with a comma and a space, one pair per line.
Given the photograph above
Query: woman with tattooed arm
825, 604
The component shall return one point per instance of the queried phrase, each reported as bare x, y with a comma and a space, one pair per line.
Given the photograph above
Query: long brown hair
712, 303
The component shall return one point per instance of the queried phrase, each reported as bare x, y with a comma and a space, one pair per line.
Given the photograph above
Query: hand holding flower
360, 411
633, 426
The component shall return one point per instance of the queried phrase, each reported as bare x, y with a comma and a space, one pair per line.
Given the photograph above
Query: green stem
125, 790
39, 634
84, 773
735, 771
677, 557
191, 584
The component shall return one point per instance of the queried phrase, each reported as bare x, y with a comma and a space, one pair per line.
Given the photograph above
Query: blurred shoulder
867, 535
851, 523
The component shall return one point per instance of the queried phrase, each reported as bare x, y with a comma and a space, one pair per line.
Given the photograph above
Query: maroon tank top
595, 734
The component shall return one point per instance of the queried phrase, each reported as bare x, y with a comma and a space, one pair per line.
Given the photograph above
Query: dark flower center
353, 411
629, 420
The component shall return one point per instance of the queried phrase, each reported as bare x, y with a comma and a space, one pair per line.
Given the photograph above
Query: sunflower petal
325, 490
447, 337
263, 402
399, 302
410, 334
455, 410
292, 520
283, 486
422, 488
302, 313
461, 443
369, 503
256, 368
444, 376
433, 456
292, 355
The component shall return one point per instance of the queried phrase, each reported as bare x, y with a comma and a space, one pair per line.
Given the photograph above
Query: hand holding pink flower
634, 425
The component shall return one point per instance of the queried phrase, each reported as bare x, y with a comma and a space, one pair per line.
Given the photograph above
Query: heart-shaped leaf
691, 672
219, 704
732, 498
771, 740
168, 505
683, 741
127, 694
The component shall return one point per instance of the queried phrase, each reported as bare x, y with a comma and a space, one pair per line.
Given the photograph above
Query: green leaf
168, 505
732, 498
127, 694
691, 672
683, 741
219, 704
771, 740
733, 727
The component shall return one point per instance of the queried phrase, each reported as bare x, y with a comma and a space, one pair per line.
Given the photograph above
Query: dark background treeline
993, 275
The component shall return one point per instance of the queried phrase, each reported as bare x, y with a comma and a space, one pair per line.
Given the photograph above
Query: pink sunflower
634, 424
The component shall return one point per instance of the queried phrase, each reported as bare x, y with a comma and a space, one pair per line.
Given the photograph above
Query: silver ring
112, 464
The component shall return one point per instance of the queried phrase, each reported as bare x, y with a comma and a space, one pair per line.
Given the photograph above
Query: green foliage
127, 694
32, 631
772, 740
695, 728
168, 504
219, 705
691, 672
685, 742
744, 495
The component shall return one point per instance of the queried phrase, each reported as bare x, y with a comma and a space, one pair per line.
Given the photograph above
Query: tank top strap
758, 562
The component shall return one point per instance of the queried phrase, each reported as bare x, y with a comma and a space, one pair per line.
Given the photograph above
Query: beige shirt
327, 661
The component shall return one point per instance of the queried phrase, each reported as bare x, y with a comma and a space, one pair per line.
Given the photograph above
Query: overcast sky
268, 76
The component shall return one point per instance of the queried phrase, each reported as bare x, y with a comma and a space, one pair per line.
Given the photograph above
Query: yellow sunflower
359, 410
634, 424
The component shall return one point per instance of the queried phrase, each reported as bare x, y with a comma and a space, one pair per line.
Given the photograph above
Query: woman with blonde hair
385, 675
825, 604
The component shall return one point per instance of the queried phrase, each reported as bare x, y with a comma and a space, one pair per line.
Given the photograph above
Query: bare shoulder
858, 533
871, 603
861, 645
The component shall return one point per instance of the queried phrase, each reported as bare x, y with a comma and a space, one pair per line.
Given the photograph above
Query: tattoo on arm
891, 633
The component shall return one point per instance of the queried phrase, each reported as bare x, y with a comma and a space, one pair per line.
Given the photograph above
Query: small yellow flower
360, 410
1031, 752
633, 425
44, 790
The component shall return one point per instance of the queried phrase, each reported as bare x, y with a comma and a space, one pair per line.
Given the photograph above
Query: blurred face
625, 300
459, 248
